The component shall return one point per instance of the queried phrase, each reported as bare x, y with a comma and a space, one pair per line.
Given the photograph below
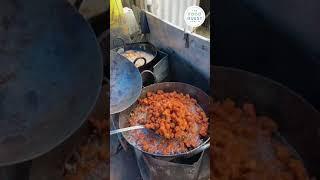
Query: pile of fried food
176, 117
245, 147
89, 161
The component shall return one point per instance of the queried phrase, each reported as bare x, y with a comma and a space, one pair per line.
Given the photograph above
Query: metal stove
175, 169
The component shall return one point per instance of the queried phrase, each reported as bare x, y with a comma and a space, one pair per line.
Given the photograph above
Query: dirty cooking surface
133, 55
178, 121
245, 146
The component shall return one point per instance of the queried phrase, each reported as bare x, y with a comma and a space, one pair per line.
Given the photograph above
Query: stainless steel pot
201, 97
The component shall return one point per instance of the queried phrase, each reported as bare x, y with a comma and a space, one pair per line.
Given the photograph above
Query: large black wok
125, 83
299, 121
50, 76
201, 97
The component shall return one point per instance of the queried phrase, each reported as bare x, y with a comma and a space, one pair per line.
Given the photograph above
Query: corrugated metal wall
171, 10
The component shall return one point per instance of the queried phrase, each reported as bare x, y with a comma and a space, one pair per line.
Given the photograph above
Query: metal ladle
126, 129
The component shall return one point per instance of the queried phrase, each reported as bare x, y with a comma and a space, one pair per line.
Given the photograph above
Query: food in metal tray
132, 55
247, 146
176, 118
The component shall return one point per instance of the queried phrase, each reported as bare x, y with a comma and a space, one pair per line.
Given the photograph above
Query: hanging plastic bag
118, 24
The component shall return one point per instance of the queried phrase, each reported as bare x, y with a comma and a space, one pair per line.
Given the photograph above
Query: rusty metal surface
50, 75
125, 83
157, 169
123, 166
161, 68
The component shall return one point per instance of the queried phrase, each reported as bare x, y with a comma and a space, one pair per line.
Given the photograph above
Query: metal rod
126, 129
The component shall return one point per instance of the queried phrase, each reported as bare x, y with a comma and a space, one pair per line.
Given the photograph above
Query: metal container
157, 71
202, 99
146, 47
158, 169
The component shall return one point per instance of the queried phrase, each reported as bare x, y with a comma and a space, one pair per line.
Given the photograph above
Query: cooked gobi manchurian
175, 116
244, 147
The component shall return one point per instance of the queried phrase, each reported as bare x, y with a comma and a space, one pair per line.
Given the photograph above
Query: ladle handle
126, 129
204, 147
144, 60
145, 81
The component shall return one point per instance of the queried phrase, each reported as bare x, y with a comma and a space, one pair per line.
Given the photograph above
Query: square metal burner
184, 169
